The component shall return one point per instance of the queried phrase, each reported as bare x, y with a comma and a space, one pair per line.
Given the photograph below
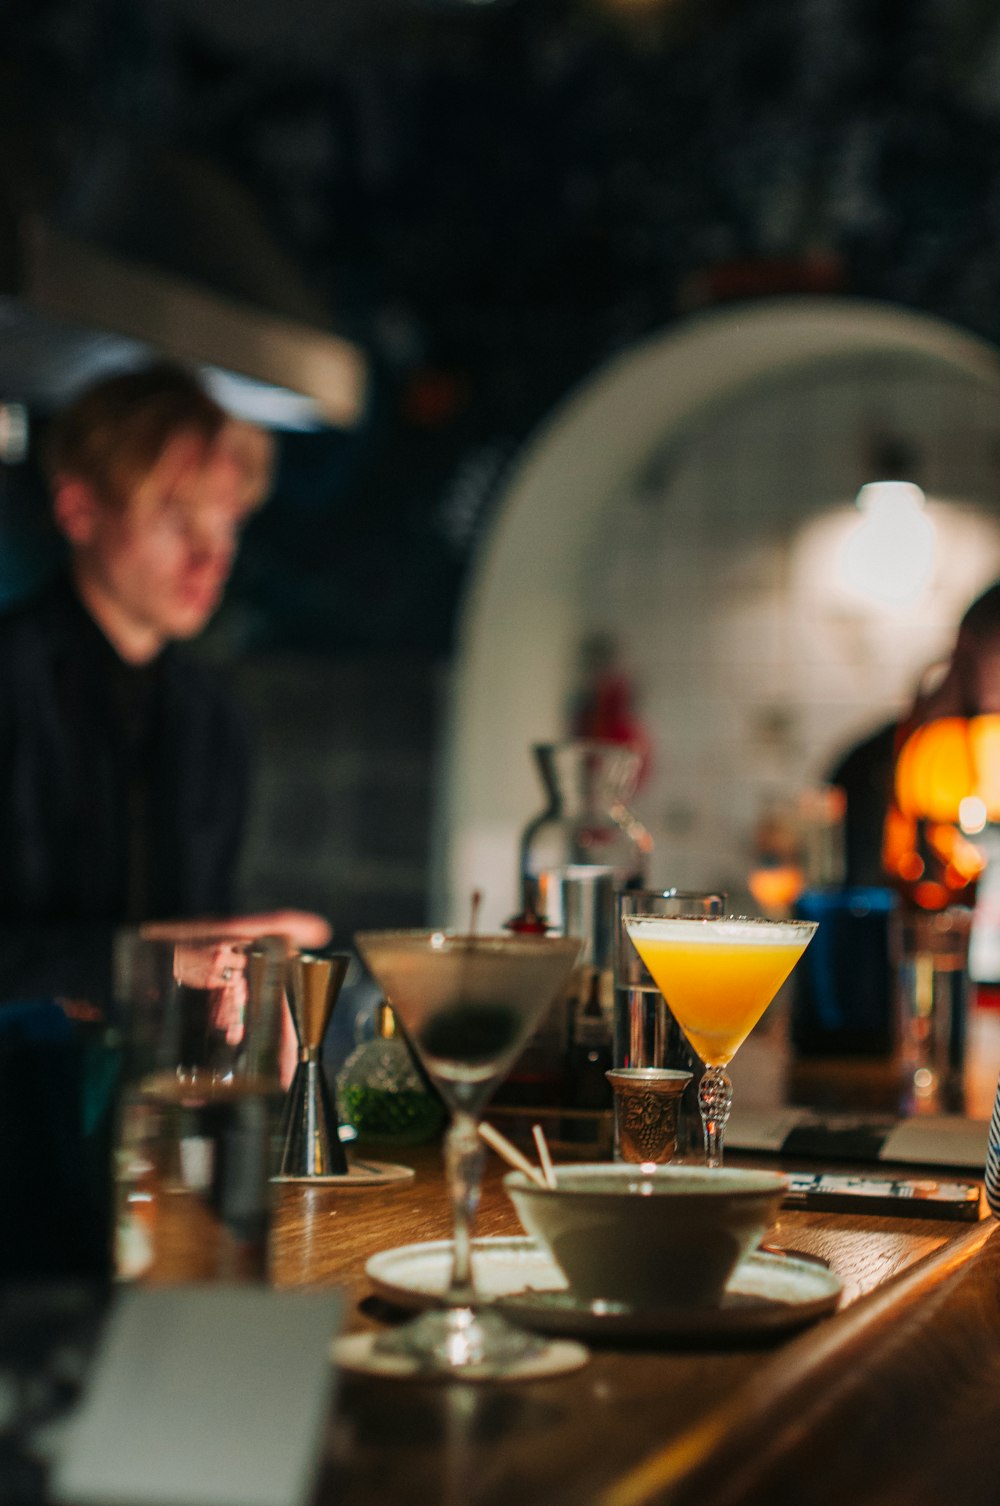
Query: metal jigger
312, 1143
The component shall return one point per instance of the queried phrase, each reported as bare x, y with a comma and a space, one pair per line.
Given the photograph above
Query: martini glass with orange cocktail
718, 975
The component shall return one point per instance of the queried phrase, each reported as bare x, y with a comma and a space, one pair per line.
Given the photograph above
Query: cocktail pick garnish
548, 1170
509, 1153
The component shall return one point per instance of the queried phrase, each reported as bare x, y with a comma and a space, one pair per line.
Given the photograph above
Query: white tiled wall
717, 575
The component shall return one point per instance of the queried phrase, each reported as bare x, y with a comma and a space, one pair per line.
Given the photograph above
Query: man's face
164, 560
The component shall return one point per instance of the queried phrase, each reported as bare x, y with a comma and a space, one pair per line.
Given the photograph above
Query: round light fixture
888, 557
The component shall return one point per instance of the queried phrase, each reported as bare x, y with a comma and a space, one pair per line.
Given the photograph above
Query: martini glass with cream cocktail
718, 976
468, 1005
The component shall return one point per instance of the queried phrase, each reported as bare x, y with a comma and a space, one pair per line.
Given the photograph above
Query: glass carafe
586, 823
575, 855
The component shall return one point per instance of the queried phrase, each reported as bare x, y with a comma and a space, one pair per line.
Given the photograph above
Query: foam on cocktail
738, 929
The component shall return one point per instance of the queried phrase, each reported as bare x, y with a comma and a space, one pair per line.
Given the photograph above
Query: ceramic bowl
657, 1237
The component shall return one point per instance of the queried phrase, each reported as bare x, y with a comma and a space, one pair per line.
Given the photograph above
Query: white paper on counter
938, 1140
924, 1140
203, 1396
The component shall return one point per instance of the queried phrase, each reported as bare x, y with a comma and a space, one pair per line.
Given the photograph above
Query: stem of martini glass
464, 1163
715, 1099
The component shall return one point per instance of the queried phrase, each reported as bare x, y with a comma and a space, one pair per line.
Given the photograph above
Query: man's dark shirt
122, 796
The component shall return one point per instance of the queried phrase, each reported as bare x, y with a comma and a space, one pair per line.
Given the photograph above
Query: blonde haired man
123, 768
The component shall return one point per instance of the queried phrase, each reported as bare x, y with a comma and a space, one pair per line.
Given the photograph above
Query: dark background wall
492, 199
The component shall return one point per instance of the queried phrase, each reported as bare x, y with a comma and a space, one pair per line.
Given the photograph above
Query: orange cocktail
718, 976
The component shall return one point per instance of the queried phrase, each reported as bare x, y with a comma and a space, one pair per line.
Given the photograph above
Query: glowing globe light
889, 556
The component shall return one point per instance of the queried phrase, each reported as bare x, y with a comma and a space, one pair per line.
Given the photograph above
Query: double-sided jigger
312, 1139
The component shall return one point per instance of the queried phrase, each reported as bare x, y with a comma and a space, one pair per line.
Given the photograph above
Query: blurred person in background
123, 772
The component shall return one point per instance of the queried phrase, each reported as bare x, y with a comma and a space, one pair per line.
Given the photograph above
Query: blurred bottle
590, 1051
537, 1078
798, 846
822, 816
381, 1093
843, 989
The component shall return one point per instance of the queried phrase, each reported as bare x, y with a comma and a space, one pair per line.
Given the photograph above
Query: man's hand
207, 955
300, 928
219, 966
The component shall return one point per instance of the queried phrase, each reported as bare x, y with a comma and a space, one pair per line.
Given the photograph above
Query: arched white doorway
521, 617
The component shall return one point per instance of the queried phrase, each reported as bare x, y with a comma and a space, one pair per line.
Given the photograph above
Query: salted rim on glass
747, 930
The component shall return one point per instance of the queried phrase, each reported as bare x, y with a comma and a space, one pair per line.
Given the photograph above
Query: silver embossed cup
647, 1100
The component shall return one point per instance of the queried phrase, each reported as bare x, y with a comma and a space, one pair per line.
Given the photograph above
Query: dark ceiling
492, 199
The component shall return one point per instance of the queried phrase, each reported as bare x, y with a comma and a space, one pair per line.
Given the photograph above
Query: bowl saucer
767, 1293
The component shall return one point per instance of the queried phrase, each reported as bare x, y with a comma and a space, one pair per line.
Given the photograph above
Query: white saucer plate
359, 1353
768, 1292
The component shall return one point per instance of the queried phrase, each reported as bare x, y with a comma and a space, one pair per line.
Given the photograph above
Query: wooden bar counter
894, 1398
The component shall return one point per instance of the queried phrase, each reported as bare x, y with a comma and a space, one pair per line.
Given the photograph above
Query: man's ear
75, 508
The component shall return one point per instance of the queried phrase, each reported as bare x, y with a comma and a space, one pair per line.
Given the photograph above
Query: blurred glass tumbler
933, 1009
647, 1100
198, 1126
646, 1033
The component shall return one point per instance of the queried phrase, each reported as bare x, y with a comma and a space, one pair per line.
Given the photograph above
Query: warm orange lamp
947, 786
